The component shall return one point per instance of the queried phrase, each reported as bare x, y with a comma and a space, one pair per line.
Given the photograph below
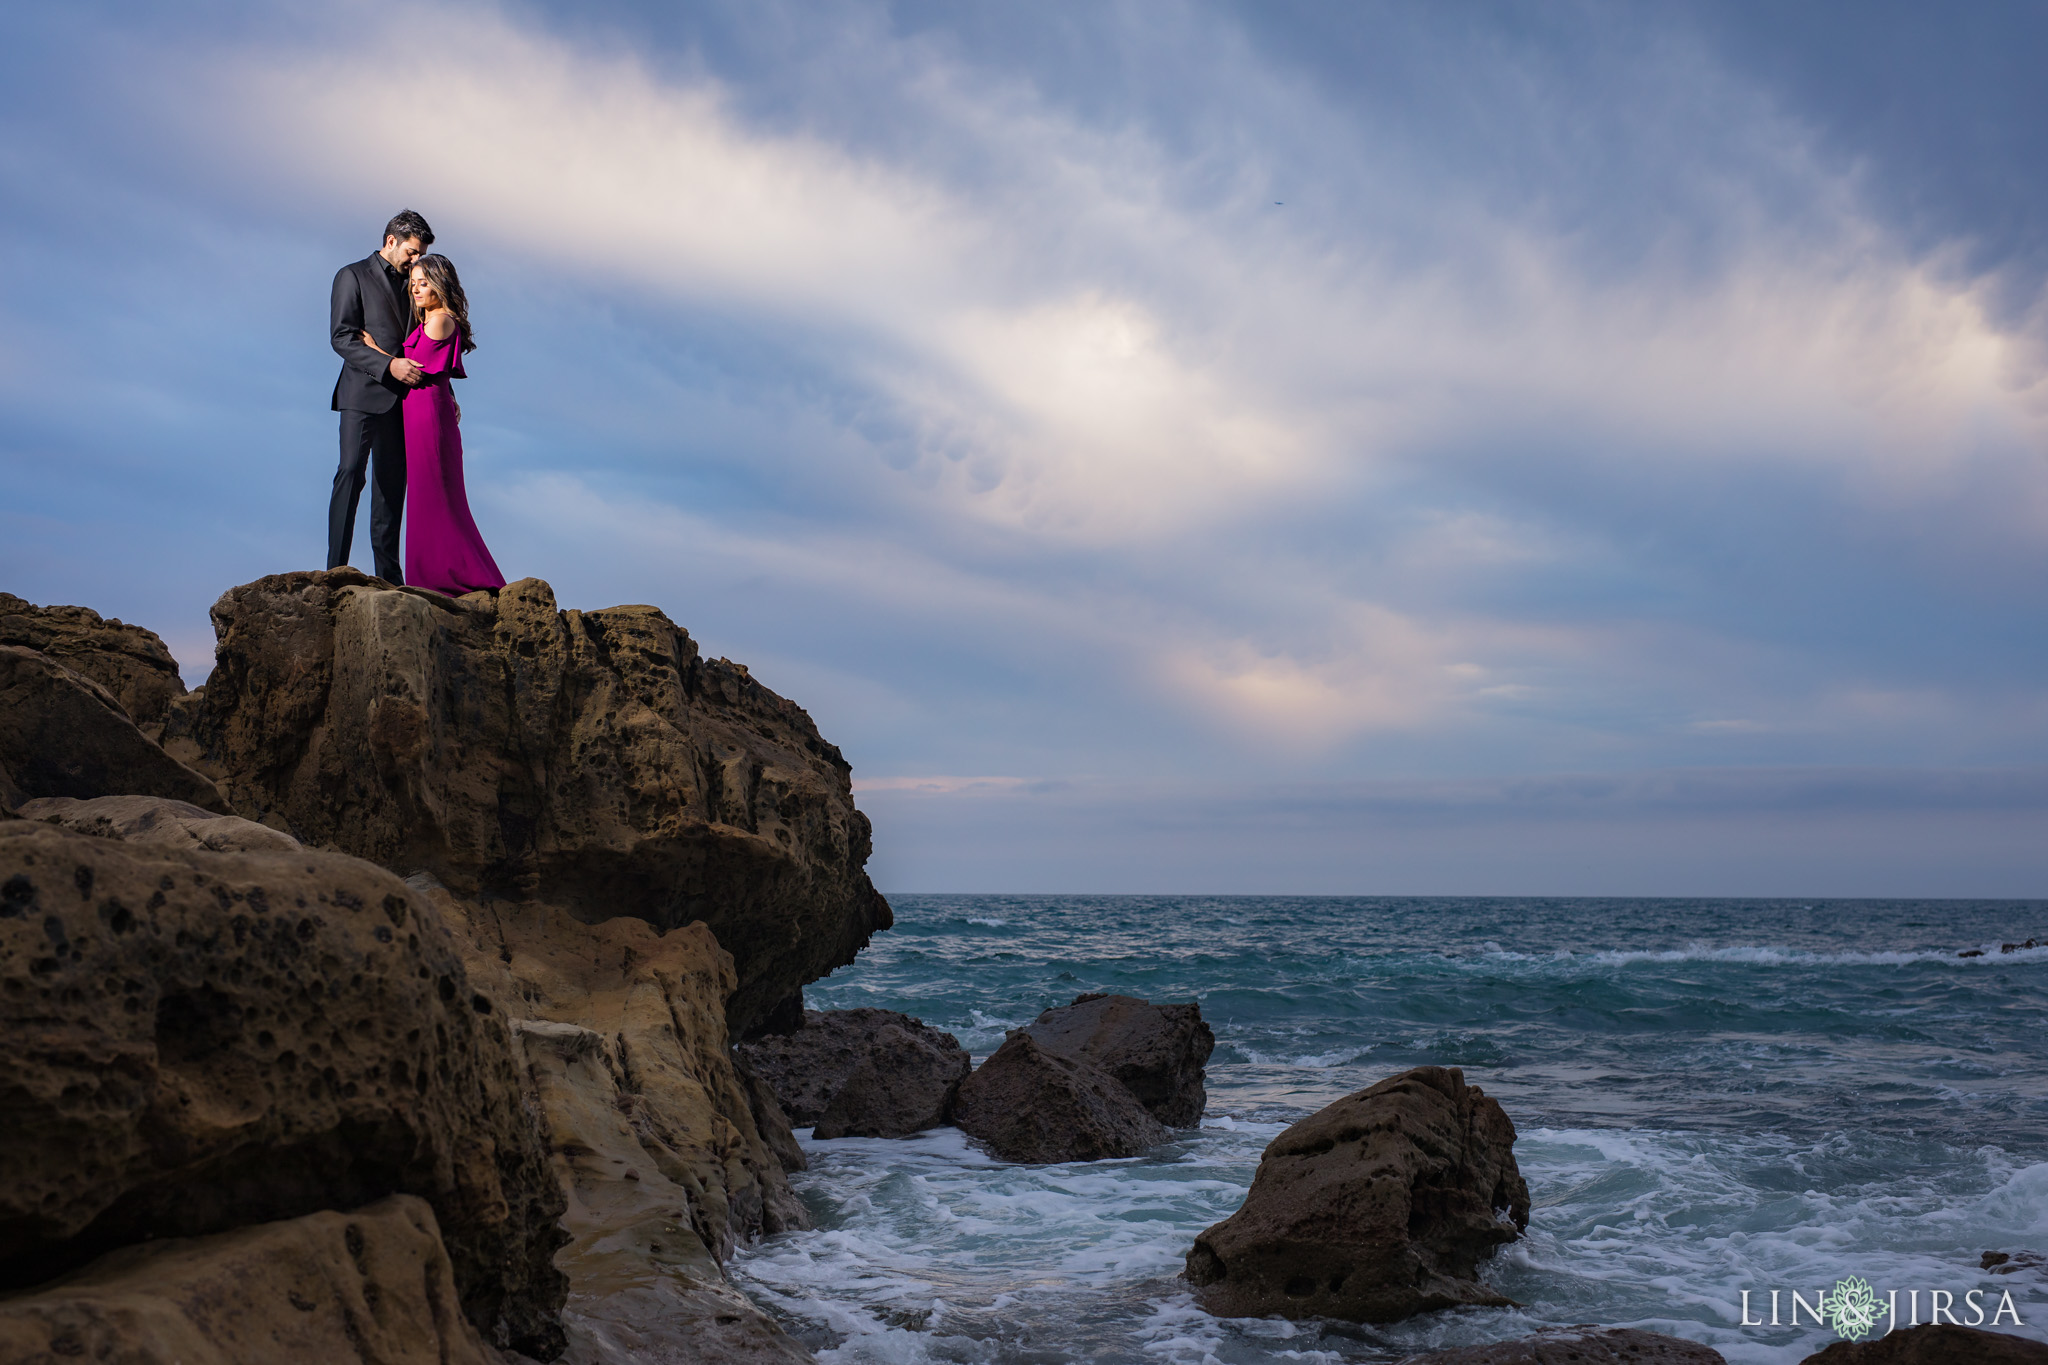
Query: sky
1322, 448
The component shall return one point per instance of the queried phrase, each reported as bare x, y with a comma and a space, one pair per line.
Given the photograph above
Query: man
371, 295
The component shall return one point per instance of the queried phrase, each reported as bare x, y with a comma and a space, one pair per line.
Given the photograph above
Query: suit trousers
372, 443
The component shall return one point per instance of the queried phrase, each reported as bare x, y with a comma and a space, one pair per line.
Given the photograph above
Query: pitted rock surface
590, 760
374, 1284
1372, 1209
861, 1073
131, 663
1159, 1052
1585, 1345
62, 734
158, 821
198, 1041
1031, 1105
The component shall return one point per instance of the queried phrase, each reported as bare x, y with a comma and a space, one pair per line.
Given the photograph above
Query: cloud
1579, 408
939, 785
1705, 832
1025, 378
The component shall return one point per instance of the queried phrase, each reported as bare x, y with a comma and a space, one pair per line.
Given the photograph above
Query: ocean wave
1769, 955
929, 1250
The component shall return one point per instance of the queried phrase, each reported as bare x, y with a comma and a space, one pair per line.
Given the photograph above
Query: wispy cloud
1158, 403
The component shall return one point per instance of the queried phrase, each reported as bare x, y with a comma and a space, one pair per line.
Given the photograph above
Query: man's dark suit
369, 296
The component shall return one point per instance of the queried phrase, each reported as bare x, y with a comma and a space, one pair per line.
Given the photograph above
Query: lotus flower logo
1852, 1308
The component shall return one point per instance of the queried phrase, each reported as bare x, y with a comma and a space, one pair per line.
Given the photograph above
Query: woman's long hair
440, 273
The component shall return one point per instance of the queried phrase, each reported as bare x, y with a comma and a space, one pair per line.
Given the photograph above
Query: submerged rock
1935, 1344
1373, 1209
861, 1073
2015, 1263
592, 760
63, 734
1157, 1051
198, 1041
1583, 1345
131, 663
1032, 1105
373, 1284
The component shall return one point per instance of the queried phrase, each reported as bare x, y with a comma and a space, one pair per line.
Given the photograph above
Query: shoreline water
1711, 1095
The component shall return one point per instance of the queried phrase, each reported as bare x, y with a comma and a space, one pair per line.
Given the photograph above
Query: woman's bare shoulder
440, 324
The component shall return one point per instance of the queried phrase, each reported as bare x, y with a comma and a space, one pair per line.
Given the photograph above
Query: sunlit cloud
1049, 389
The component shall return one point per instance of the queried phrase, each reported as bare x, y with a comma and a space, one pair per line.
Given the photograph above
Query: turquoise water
1711, 1096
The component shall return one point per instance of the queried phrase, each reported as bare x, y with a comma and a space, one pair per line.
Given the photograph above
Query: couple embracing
400, 322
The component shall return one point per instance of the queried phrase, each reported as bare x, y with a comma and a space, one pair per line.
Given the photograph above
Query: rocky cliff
591, 760
618, 857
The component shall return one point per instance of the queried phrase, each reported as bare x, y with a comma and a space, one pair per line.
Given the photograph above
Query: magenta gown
443, 549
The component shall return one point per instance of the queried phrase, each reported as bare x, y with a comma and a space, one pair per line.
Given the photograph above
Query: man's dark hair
406, 224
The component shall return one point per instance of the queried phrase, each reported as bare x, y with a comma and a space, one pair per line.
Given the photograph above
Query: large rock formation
63, 734
861, 1073
589, 760
654, 1133
1159, 1052
371, 1285
1032, 1105
1375, 1208
131, 663
1935, 1344
198, 1041
1584, 1345
641, 853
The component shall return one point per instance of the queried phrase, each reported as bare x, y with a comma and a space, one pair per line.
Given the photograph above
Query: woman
444, 552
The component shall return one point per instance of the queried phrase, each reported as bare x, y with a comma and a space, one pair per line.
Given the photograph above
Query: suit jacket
368, 296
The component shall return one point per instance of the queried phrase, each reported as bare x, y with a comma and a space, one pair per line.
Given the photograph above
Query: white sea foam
1320, 1061
990, 921
1798, 1116
929, 1250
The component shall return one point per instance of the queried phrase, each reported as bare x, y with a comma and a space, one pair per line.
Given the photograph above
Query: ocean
1712, 1096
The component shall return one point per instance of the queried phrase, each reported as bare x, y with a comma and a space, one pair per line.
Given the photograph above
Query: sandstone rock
1034, 1106
769, 1117
131, 663
374, 1284
861, 1073
1373, 1209
642, 1260
158, 821
655, 1000
1935, 1344
590, 760
652, 1128
198, 1041
62, 734
1583, 1345
1157, 1051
